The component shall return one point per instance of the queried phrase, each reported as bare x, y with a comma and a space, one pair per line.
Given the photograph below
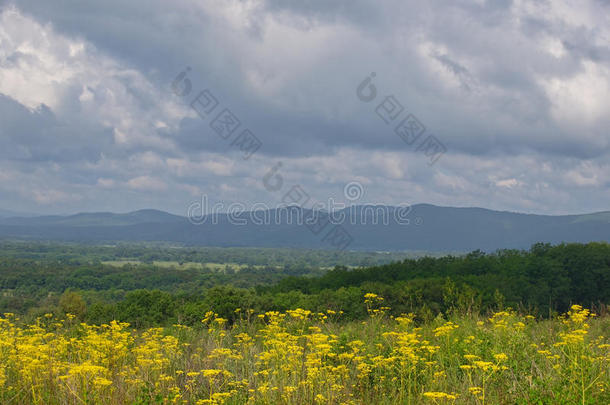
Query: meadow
303, 357
218, 267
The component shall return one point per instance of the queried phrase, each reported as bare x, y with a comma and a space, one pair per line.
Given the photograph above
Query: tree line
544, 280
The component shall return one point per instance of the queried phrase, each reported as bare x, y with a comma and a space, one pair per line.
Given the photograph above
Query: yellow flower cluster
302, 357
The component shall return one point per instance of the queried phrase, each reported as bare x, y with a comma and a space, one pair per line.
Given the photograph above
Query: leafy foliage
544, 280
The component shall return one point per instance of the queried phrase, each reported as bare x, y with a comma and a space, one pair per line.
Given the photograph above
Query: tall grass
299, 357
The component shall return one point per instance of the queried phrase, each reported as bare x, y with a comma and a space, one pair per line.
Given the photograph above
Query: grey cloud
39, 136
472, 73
161, 38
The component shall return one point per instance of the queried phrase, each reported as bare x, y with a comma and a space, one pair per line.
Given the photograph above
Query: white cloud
208, 164
147, 183
508, 183
106, 183
587, 174
582, 99
74, 79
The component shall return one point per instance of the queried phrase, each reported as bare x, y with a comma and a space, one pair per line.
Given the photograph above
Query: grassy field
184, 265
299, 357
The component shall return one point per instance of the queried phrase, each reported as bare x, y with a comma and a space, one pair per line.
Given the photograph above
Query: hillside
430, 228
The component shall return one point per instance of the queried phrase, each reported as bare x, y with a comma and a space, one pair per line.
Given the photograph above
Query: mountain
420, 227
8, 213
95, 219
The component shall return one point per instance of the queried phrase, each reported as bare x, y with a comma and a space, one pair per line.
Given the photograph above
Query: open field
184, 265
300, 357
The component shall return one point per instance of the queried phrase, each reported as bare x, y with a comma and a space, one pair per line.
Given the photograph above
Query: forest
544, 280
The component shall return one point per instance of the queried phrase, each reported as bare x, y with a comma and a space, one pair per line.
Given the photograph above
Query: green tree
71, 302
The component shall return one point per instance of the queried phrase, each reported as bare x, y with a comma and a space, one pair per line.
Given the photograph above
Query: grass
299, 357
184, 265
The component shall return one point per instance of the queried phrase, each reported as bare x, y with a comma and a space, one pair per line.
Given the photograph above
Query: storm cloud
517, 91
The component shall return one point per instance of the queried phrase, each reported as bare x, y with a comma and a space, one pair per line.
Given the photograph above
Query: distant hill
95, 219
430, 228
8, 213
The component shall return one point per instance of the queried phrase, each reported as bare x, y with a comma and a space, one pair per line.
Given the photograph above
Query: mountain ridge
423, 227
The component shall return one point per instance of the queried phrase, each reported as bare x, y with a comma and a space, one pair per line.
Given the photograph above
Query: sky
118, 106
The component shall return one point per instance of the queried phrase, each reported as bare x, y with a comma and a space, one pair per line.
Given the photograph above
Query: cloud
75, 96
147, 183
508, 183
45, 197
516, 90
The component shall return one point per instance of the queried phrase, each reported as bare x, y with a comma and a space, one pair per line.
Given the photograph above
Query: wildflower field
300, 357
